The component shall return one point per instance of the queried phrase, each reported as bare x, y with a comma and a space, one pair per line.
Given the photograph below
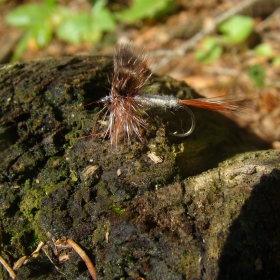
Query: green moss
116, 209
73, 175
103, 229
31, 202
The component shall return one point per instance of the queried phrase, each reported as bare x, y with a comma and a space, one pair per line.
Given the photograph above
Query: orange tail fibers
220, 103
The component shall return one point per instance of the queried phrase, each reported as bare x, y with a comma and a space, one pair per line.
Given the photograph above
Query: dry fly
126, 107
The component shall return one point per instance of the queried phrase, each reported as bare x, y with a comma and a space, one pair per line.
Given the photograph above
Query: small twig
194, 40
25, 259
222, 71
218, 20
36, 252
62, 247
265, 23
8, 268
84, 256
19, 263
45, 250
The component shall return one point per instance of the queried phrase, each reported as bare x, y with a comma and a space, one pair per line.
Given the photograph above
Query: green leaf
41, 20
59, 15
141, 9
264, 50
72, 29
84, 27
257, 74
29, 15
103, 20
210, 51
236, 29
98, 5
42, 35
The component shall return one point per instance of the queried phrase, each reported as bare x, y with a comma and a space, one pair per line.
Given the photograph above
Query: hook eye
106, 99
192, 125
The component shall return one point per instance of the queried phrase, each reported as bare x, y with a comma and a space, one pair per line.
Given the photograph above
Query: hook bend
192, 125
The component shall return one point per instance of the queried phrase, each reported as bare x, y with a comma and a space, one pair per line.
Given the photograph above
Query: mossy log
193, 210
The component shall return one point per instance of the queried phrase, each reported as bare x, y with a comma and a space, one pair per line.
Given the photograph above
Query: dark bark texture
195, 210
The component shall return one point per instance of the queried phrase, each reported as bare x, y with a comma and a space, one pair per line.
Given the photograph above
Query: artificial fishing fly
126, 107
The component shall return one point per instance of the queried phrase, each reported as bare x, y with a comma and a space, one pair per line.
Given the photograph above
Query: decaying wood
201, 212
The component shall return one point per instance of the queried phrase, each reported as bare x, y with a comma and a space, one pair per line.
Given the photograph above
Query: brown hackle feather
131, 71
131, 74
125, 119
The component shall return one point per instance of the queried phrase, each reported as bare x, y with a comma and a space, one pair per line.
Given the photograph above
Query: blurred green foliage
257, 74
236, 29
264, 50
276, 61
44, 20
232, 31
210, 51
146, 9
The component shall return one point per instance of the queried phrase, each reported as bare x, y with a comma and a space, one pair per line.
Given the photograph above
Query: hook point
192, 125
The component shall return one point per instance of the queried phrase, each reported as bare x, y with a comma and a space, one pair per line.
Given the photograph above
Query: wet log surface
196, 210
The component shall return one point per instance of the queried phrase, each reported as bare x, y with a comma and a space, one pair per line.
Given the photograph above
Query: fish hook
192, 125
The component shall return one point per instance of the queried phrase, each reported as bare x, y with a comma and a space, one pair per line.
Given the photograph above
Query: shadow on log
251, 250
133, 215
